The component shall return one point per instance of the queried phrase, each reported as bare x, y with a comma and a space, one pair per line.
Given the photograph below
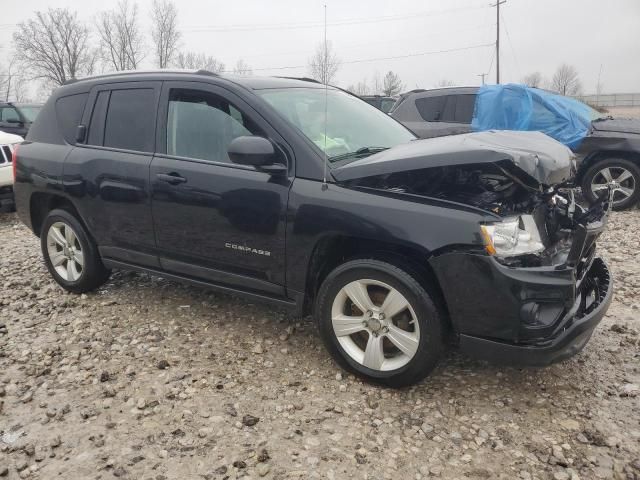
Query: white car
7, 144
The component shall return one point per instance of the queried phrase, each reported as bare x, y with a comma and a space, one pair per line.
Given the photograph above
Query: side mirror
253, 151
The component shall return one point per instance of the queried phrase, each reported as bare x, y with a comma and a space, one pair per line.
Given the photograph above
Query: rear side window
449, 110
464, 108
430, 108
69, 112
96, 124
130, 120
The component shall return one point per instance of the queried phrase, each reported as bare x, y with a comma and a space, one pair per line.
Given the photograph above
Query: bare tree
199, 61
392, 84
121, 42
9, 80
164, 31
533, 80
445, 82
376, 87
360, 88
324, 64
242, 68
55, 46
565, 81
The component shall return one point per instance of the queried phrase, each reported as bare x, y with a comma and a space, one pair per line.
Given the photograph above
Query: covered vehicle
607, 150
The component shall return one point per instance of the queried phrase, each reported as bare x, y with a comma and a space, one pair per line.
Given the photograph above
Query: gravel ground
149, 379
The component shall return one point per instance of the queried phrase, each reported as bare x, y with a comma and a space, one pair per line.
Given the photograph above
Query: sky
425, 42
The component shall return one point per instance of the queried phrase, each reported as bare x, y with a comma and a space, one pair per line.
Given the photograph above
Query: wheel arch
41, 203
601, 155
332, 251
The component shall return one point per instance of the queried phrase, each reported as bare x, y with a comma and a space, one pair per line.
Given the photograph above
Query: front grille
5, 154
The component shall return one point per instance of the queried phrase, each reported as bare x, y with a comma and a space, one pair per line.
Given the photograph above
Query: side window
387, 104
69, 112
130, 120
449, 110
202, 125
464, 108
430, 108
96, 124
8, 113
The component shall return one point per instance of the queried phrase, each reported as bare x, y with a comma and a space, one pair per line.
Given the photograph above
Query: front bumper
572, 334
527, 315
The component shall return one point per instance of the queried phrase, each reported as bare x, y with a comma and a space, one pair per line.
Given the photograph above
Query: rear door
215, 220
108, 173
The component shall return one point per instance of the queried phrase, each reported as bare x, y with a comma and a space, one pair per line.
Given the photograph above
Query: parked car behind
379, 101
239, 184
7, 145
17, 117
608, 156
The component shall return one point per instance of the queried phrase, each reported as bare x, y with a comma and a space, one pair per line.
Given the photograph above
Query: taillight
14, 161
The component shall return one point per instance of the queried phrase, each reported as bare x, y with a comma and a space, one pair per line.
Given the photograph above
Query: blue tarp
518, 107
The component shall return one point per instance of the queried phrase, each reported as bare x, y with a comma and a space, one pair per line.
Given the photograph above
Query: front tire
70, 254
378, 321
622, 174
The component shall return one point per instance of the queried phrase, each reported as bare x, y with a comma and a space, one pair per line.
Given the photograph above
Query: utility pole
482, 75
497, 5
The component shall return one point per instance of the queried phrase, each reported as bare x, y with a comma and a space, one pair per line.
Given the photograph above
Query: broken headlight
512, 236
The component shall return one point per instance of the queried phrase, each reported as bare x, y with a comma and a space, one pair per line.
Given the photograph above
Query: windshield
353, 127
30, 112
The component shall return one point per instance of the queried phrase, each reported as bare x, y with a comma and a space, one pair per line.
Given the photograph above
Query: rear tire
612, 170
70, 254
377, 321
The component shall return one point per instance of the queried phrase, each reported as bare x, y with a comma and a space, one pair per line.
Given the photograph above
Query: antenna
326, 89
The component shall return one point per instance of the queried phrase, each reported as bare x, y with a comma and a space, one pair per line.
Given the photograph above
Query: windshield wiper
360, 153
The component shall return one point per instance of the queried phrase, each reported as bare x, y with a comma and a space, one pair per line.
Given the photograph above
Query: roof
443, 90
250, 82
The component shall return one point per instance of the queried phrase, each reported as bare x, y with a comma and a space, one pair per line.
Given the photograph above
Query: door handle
171, 178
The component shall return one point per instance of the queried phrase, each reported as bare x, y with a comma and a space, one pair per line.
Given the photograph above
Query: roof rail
129, 72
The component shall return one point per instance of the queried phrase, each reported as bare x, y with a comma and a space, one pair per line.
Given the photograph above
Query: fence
612, 100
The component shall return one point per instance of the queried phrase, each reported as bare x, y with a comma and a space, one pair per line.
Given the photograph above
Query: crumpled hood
541, 158
620, 125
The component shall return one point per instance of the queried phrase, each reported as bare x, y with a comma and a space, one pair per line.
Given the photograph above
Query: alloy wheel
65, 251
375, 325
619, 179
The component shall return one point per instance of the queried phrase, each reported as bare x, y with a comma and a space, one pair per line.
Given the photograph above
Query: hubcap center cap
374, 324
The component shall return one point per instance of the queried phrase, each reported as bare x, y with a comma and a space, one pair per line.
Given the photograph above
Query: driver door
215, 220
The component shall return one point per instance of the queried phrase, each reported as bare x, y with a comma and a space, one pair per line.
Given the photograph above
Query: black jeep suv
245, 185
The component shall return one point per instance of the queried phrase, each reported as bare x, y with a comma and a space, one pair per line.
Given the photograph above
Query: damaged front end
532, 290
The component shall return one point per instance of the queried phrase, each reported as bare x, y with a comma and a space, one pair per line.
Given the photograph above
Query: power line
405, 41
364, 60
513, 51
338, 23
